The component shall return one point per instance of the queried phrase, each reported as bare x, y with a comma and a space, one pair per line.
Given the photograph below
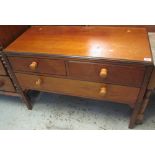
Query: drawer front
2, 69
6, 84
107, 73
86, 89
38, 65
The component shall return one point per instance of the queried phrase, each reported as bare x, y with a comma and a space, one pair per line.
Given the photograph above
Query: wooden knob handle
38, 82
1, 83
103, 73
33, 65
103, 91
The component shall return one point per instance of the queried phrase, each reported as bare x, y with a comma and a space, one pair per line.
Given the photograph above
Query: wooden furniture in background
8, 83
9, 33
98, 62
150, 28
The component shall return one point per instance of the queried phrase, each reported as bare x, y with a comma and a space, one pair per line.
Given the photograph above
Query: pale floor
52, 111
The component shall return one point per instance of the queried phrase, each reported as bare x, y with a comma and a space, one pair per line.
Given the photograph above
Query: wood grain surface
6, 84
86, 89
130, 75
151, 85
2, 69
126, 43
43, 66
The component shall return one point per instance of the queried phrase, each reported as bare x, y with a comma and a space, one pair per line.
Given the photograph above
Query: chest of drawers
95, 62
79, 78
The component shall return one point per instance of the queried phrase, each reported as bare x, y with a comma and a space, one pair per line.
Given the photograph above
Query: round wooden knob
38, 82
103, 91
1, 83
33, 65
103, 73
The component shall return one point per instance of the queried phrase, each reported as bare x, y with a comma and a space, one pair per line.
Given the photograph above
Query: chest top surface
116, 43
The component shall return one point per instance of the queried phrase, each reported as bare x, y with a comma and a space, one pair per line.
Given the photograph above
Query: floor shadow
50, 100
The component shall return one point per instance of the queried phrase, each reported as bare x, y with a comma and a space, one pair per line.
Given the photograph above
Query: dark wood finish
130, 75
140, 98
47, 66
151, 84
150, 88
6, 84
11, 74
78, 88
2, 70
9, 33
85, 41
140, 116
149, 28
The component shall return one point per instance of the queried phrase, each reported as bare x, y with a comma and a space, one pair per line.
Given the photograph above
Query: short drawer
38, 65
128, 75
2, 69
6, 84
101, 91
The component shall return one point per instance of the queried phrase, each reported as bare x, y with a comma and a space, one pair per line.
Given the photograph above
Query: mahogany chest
96, 62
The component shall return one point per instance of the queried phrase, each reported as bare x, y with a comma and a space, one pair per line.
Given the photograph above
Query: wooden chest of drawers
80, 78
94, 62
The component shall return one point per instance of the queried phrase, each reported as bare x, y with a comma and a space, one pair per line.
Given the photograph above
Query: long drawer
38, 65
130, 75
6, 84
2, 70
101, 91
